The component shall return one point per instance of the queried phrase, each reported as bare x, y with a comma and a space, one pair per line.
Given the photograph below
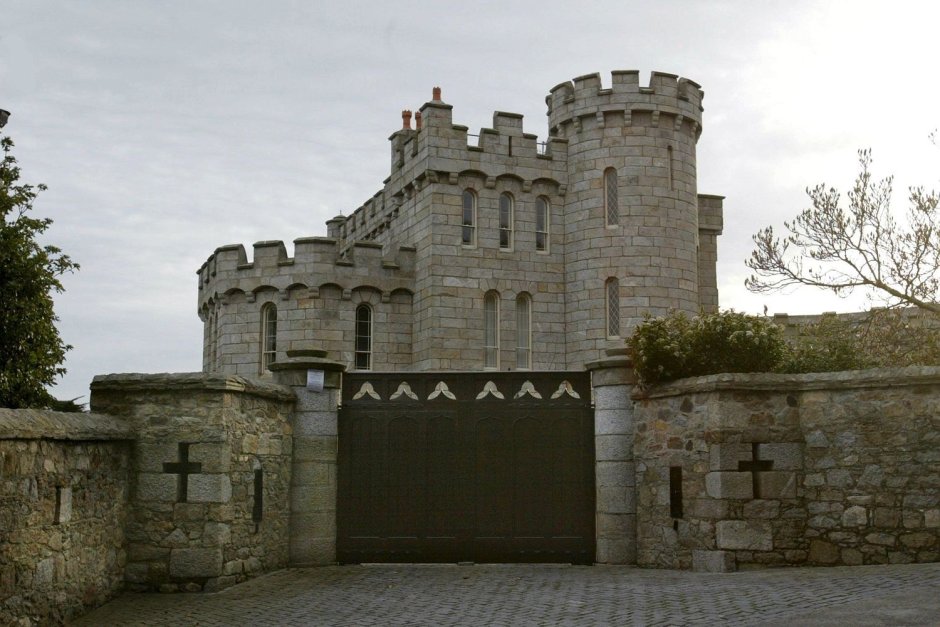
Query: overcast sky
166, 129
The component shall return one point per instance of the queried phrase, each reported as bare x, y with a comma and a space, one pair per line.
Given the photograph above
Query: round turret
631, 216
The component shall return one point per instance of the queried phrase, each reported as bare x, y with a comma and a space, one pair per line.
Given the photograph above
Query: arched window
541, 223
505, 221
469, 222
611, 208
612, 287
491, 330
523, 332
363, 337
268, 335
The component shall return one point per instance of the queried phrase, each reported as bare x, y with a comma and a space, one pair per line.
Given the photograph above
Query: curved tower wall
648, 135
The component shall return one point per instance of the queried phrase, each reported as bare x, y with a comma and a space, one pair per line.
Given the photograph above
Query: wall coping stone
190, 381
844, 380
41, 424
614, 369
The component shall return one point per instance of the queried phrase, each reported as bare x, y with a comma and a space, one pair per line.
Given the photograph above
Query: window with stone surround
505, 221
612, 291
268, 335
491, 330
542, 218
611, 206
523, 332
363, 337
469, 219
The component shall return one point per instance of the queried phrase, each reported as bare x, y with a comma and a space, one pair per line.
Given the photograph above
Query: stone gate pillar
316, 381
612, 379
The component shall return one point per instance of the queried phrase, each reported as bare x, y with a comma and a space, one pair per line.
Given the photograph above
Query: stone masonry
210, 477
403, 253
63, 512
759, 470
490, 251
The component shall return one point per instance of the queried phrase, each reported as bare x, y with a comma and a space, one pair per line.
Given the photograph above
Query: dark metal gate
482, 467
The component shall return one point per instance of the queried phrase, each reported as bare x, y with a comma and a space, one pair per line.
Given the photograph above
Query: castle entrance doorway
451, 467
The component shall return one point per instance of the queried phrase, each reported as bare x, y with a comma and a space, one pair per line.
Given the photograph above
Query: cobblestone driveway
548, 595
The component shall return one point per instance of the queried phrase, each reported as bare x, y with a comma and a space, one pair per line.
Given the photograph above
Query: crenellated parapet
668, 101
317, 261
437, 151
711, 213
587, 231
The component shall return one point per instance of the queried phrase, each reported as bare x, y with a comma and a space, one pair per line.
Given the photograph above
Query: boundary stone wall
209, 530
63, 507
823, 469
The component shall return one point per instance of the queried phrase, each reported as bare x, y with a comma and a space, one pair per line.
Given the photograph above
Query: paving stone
551, 594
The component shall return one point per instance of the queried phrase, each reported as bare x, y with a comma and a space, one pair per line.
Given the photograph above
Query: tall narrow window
611, 207
613, 307
210, 341
505, 221
672, 179
469, 222
363, 337
523, 332
268, 335
541, 223
213, 339
491, 330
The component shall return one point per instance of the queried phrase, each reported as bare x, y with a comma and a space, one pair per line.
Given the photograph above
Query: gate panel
480, 467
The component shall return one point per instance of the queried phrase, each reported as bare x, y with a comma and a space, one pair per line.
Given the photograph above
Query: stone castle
494, 251
290, 448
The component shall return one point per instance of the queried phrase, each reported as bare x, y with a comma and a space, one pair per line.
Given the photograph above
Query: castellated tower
490, 251
631, 209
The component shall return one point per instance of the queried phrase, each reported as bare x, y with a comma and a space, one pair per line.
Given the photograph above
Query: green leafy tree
31, 351
841, 248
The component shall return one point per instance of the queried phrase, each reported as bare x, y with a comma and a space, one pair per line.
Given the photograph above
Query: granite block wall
63, 507
755, 470
210, 477
403, 253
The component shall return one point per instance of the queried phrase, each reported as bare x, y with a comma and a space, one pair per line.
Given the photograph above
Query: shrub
676, 346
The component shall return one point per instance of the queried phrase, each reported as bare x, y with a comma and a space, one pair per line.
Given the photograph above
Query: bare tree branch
860, 246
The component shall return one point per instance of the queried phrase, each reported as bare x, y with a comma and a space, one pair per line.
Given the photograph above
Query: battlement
317, 261
678, 98
710, 213
437, 151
